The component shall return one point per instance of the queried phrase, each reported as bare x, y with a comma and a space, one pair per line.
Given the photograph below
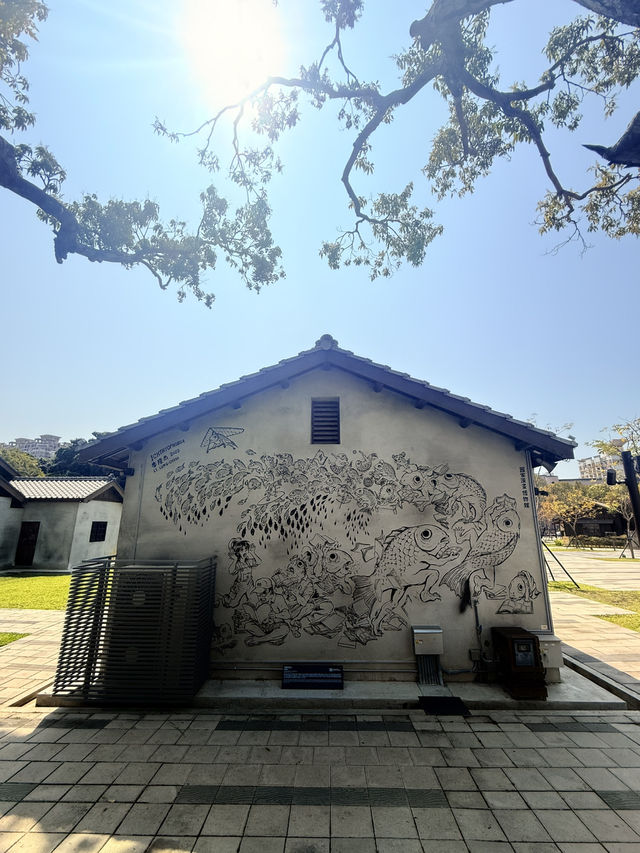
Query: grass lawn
617, 559
629, 599
39, 592
5, 638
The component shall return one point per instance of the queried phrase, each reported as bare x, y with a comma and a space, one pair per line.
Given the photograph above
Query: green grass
628, 599
6, 638
39, 592
617, 559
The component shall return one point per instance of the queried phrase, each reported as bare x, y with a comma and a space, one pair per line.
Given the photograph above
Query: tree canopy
447, 55
25, 464
65, 463
628, 438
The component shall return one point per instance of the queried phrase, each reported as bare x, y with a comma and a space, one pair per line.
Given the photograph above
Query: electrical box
519, 662
427, 639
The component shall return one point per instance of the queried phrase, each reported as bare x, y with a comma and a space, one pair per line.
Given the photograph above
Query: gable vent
325, 421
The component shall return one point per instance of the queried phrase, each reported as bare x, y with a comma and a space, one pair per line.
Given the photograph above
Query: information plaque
312, 676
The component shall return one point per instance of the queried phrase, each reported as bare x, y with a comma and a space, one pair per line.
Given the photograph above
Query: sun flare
231, 45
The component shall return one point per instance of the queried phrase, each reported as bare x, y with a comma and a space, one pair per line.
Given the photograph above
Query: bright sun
231, 45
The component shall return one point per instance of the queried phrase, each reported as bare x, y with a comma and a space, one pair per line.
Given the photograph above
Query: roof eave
114, 450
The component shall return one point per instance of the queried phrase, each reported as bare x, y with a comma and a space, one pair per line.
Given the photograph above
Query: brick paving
608, 648
405, 782
395, 783
28, 664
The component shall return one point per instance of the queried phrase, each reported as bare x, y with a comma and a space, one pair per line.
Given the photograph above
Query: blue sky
492, 314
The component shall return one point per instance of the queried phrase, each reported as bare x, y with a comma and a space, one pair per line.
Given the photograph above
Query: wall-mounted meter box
519, 662
427, 639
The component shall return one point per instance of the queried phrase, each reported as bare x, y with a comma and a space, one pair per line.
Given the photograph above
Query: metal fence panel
136, 632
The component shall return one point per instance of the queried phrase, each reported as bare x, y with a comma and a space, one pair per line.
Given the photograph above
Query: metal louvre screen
325, 421
136, 632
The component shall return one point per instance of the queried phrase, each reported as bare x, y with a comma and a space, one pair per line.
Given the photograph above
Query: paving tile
267, 820
297, 755
466, 800
492, 779
436, 824
242, 774
262, 845
547, 800
478, 824
353, 845
565, 826
34, 771
309, 821
103, 818
206, 844
351, 822
38, 842
225, 819
210, 774
527, 779
167, 844
63, 817
143, 819
563, 779
456, 779
304, 845
607, 826
127, 844
399, 845
122, 793
341, 776
504, 800
381, 776
81, 841
630, 776
459, 757
184, 819
429, 756
23, 816
105, 772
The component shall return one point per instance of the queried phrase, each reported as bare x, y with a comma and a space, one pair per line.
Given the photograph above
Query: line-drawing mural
216, 437
343, 578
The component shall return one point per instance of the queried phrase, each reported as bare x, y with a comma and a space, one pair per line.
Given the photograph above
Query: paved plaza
327, 782
393, 783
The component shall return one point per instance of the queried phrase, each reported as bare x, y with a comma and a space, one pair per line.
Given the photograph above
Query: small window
98, 531
325, 421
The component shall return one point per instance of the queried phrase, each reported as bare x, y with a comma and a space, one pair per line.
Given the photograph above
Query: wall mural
342, 579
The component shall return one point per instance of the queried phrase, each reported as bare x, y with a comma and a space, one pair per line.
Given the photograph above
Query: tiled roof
112, 447
60, 488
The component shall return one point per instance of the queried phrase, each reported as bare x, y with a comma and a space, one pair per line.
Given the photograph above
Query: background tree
590, 59
569, 502
65, 463
24, 463
618, 500
628, 432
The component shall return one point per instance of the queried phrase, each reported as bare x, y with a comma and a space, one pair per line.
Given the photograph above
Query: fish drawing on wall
339, 580
520, 594
494, 545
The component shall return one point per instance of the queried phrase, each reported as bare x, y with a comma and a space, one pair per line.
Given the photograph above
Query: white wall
82, 548
194, 492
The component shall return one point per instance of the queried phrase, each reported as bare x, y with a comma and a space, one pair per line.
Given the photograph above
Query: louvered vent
325, 421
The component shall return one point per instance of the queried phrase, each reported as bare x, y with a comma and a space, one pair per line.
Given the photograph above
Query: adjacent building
54, 523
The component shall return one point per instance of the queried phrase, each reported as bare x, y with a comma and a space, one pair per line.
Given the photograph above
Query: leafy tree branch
590, 59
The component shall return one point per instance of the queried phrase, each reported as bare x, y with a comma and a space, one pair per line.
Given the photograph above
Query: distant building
595, 467
44, 447
54, 523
